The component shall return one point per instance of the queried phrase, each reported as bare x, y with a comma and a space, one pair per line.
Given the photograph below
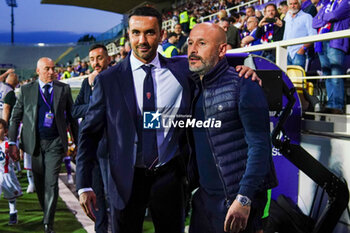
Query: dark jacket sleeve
16, 118
73, 123
92, 129
259, 32
279, 31
254, 115
80, 106
277, 34
233, 38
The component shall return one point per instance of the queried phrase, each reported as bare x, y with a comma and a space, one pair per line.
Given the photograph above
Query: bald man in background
233, 161
44, 107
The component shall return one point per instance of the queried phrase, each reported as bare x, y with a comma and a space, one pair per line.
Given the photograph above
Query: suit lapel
57, 90
34, 93
126, 82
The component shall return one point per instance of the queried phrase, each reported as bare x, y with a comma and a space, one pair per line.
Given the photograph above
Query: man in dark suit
99, 61
44, 107
147, 166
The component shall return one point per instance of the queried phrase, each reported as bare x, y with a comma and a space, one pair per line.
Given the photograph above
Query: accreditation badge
48, 121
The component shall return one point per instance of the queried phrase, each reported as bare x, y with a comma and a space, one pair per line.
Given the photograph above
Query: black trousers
101, 223
209, 212
46, 165
162, 194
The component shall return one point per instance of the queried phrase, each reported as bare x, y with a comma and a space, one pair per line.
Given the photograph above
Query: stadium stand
81, 50
24, 57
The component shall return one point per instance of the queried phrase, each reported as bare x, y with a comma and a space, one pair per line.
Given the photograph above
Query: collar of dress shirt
136, 64
42, 84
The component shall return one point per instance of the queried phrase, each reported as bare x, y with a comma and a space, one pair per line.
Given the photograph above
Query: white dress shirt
168, 95
42, 84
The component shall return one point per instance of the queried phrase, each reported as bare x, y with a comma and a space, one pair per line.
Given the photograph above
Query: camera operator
270, 29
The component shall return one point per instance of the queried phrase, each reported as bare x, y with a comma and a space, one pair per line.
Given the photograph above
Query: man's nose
142, 38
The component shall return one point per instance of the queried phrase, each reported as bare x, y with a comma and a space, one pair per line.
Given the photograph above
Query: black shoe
13, 219
48, 228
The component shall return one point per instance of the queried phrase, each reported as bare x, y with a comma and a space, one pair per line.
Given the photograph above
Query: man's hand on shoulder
248, 72
236, 217
87, 201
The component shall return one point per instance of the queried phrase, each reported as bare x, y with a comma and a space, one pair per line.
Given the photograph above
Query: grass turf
75, 92
30, 215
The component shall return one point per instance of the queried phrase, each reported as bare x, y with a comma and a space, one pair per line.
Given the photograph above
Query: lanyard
42, 95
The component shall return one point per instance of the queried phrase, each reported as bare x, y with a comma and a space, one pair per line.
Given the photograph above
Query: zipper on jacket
227, 200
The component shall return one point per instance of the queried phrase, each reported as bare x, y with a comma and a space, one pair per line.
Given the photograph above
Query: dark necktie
47, 93
149, 136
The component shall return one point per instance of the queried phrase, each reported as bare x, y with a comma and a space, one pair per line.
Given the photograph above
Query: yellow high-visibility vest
169, 50
122, 41
192, 22
183, 17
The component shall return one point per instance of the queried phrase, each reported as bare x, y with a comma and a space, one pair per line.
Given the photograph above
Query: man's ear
222, 50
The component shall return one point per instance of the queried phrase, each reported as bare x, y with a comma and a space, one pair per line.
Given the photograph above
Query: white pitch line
73, 204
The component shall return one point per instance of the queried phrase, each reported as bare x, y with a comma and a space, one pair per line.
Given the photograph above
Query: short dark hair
274, 6
231, 19
235, 15
225, 19
3, 123
98, 46
170, 34
271, 4
283, 3
147, 11
251, 7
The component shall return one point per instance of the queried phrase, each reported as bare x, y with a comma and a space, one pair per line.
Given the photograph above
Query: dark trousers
101, 223
209, 212
162, 194
46, 165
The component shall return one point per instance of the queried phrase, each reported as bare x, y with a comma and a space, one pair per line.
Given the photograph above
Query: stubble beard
204, 68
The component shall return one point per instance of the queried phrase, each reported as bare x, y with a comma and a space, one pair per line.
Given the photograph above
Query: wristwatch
243, 200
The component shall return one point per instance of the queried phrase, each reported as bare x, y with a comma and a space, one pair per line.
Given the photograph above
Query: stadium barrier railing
281, 46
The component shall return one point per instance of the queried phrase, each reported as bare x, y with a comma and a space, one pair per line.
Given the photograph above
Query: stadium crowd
250, 27
288, 20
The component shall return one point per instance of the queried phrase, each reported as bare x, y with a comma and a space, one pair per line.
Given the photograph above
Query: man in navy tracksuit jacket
233, 155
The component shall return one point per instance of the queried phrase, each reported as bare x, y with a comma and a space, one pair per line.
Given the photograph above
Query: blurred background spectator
252, 39
270, 29
232, 33
169, 48
298, 24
